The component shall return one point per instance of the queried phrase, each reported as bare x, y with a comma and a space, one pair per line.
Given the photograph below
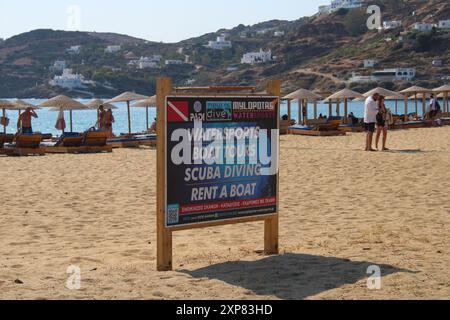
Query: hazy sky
162, 20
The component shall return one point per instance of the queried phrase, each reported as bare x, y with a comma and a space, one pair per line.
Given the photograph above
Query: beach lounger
69, 142
351, 128
96, 141
5, 139
319, 128
284, 126
323, 130
25, 145
133, 141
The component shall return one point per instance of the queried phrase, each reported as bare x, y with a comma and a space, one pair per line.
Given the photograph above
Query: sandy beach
342, 210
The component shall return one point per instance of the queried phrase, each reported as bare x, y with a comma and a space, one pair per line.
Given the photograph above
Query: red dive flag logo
177, 111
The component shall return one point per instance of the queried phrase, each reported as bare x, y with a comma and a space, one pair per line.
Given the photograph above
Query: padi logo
198, 115
219, 111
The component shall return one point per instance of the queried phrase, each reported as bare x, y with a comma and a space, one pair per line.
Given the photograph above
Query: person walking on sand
382, 125
24, 121
370, 119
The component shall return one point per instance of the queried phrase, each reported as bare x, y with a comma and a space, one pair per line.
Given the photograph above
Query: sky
163, 20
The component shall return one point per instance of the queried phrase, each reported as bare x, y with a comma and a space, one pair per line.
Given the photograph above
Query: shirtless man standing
24, 121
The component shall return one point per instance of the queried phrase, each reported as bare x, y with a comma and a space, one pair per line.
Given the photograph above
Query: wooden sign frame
164, 233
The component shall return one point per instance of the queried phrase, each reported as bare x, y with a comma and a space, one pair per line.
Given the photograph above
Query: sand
342, 210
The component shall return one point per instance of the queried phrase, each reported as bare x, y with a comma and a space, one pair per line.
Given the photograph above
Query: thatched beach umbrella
303, 96
147, 103
96, 103
7, 105
444, 91
414, 90
63, 103
128, 97
388, 94
344, 95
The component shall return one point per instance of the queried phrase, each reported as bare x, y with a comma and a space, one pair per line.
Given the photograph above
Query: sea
83, 120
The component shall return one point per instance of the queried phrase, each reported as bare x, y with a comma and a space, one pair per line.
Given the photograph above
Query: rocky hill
319, 52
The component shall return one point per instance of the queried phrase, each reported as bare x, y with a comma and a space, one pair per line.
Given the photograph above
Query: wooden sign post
215, 199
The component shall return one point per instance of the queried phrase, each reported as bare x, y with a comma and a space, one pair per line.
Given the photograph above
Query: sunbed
24, 145
88, 142
133, 141
319, 128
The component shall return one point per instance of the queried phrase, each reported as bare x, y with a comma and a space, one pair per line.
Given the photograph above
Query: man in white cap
370, 119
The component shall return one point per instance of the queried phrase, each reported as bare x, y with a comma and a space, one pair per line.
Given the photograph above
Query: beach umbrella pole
71, 124
345, 110
406, 108
4, 116
146, 117
315, 109
289, 110
129, 117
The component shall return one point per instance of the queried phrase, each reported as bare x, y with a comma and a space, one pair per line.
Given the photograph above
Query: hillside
319, 52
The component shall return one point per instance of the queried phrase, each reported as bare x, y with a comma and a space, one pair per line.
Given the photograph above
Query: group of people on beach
105, 120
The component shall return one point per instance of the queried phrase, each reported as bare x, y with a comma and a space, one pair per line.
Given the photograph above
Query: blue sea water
83, 120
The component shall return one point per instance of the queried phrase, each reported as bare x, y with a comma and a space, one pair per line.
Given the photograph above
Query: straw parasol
128, 97
388, 94
444, 91
414, 90
96, 103
147, 103
7, 105
63, 103
303, 96
344, 95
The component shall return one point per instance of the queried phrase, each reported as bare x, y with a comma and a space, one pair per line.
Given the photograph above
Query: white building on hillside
68, 80
423, 26
390, 25
220, 44
113, 49
58, 66
144, 63
324, 9
340, 4
257, 57
174, 62
74, 50
386, 75
345, 4
444, 24
370, 63
279, 34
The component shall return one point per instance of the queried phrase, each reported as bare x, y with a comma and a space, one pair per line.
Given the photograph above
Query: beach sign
217, 162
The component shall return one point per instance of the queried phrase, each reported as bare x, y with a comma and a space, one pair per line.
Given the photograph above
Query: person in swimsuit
382, 125
24, 121
109, 120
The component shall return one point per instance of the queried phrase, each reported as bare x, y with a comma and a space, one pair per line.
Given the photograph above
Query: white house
220, 44
345, 4
444, 24
370, 63
279, 34
386, 75
437, 63
423, 26
68, 80
174, 62
390, 25
257, 57
324, 9
74, 50
396, 74
113, 49
58, 66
